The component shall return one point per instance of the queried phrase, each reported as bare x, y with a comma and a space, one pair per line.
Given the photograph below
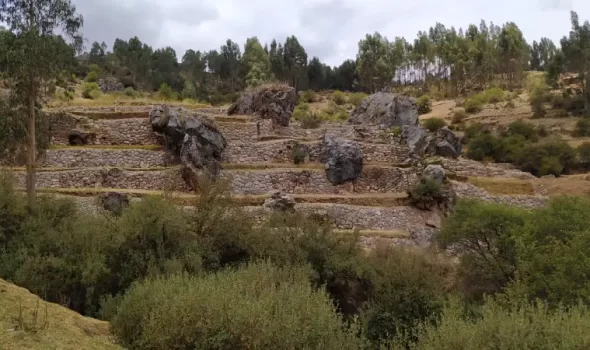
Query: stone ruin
386, 109
110, 84
271, 101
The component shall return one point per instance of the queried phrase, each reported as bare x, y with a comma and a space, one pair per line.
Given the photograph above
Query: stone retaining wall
465, 190
243, 182
87, 157
468, 167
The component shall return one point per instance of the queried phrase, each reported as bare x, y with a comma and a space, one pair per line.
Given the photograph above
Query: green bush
459, 116
424, 104
311, 121
574, 104
334, 112
433, 124
523, 326
309, 96
356, 98
92, 77
483, 233
493, 95
90, 90
257, 307
339, 98
166, 93
584, 154
582, 128
474, 104
425, 193
524, 129
130, 92
301, 111
536, 158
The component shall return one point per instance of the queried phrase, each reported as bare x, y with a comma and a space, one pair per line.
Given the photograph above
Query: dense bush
166, 93
493, 95
424, 104
257, 307
92, 77
334, 112
90, 90
356, 98
309, 96
433, 124
339, 98
584, 154
582, 127
130, 92
474, 104
515, 327
459, 116
425, 193
308, 119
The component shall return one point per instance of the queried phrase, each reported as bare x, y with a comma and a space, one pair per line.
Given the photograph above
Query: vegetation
339, 98
433, 124
459, 116
356, 98
91, 91
424, 104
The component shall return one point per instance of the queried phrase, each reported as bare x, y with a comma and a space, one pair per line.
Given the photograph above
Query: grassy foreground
59, 328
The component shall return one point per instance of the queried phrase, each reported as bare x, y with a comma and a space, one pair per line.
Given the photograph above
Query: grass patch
65, 328
113, 147
497, 185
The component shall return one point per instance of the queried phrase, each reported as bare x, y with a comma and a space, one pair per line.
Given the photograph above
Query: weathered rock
192, 137
273, 101
114, 202
421, 143
110, 84
280, 202
78, 137
386, 109
343, 159
435, 172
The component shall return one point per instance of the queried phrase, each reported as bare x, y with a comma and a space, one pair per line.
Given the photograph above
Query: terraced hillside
124, 155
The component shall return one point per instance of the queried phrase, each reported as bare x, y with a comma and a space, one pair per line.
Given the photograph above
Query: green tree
277, 61
512, 50
315, 74
230, 63
373, 66
576, 51
295, 62
256, 62
38, 57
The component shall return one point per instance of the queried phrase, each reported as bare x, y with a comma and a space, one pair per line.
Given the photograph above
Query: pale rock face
343, 159
386, 109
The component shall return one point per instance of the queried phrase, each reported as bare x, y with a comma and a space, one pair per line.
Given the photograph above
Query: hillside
60, 328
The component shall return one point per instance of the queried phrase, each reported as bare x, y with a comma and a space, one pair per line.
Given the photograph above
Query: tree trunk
32, 153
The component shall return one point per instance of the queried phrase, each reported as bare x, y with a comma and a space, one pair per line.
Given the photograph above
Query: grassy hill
56, 327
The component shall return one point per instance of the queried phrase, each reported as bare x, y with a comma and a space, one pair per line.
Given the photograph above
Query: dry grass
114, 147
573, 185
378, 233
107, 100
65, 329
499, 185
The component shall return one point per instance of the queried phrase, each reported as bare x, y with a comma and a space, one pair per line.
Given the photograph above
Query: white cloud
329, 29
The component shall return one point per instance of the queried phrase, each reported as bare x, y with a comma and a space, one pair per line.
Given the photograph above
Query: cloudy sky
329, 29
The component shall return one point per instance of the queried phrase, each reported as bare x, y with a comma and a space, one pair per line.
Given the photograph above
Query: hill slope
64, 329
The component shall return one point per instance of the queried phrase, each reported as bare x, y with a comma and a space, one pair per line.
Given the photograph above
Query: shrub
433, 124
130, 92
166, 93
334, 113
92, 77
259, 306
532, 158
473, 104
309, 96
356, 98
525, 326
574, 104
424, 104
459, 116
339, 98
308, 119
425, 193
582, 128
584, 154
523, 128
301, 111
483, 233
90, 90
493, 95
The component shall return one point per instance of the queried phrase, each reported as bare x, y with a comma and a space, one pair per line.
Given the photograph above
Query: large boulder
110, 84
280, 202
422, 143
192, 137
386, 109
343, 159
114, 202
271, 101
435, 172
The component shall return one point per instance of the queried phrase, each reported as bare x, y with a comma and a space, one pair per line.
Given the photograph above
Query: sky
329, 29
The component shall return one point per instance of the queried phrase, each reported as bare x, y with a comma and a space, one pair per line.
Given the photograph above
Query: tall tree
513, 50
315, 74
295, 62
230, 64
576, 54
345, 76
277, 61
37, 58
256, 62
373, 67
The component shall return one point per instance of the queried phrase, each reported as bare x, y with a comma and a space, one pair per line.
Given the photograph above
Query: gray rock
273, 101
110, 84
421, 143
114, 202
386, 109
280, 202
435, 172
343, 159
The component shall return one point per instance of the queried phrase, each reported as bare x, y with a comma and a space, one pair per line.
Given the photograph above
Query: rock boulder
114, 202
343, 159
271, 101
110, 84
386, 109
435, 172
280, 202
422, 143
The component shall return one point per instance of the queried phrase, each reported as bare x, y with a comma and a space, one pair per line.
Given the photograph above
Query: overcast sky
329, 29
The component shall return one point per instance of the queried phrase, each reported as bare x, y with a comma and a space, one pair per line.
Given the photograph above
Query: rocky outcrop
79, 137
272, 101
422, 143
110, 84
113, 202
386, 109
435, 172
194, 138
342, 159
280, 202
